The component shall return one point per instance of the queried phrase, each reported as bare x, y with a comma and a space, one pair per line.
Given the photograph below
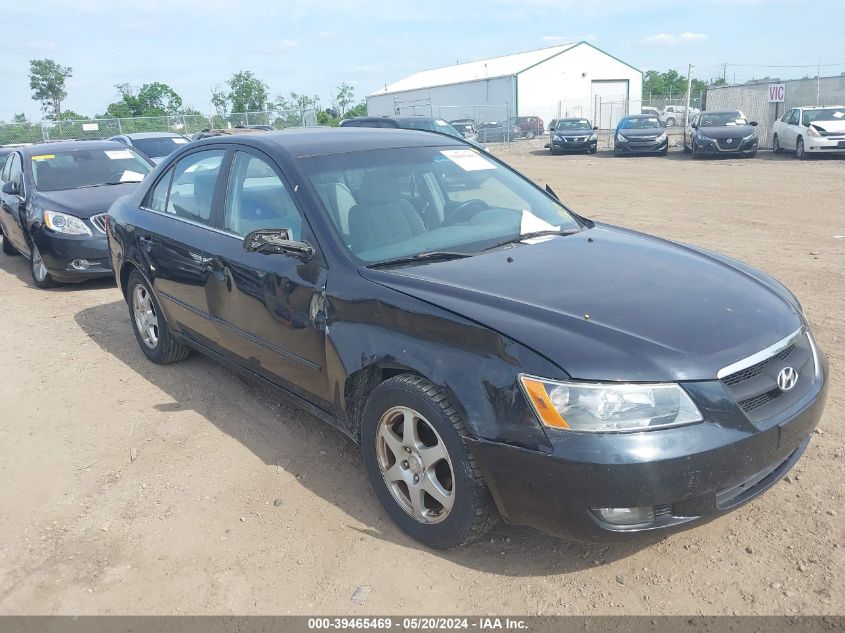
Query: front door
12, 206
268, 308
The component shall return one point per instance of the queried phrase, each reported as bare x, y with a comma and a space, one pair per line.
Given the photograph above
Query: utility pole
689, 90
724, 73
819, 82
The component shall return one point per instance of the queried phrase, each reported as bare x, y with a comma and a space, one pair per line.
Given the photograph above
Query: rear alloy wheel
670, 122
531, 134
800, 152
776, 148
39, 272
149, 325
419, 466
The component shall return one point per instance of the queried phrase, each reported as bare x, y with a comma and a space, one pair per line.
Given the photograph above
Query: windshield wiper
433, 256
106, 184
533, 234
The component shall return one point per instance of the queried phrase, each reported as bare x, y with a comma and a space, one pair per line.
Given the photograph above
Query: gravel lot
131, 488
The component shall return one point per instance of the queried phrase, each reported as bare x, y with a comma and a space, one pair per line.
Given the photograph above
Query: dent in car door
268, 308
14, 207
172, 240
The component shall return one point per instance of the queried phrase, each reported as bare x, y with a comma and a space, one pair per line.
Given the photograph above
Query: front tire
800, 152
40, 276
419, 466
776, 148
149, 324
670, 122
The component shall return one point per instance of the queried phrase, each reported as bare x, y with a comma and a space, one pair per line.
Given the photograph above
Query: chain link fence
753, 100
187, 124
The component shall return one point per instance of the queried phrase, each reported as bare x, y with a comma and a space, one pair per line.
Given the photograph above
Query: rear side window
192, 186
158, 196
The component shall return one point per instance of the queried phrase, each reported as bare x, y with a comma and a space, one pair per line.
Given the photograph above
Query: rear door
268, 308
12, 206
173, 237
790, 130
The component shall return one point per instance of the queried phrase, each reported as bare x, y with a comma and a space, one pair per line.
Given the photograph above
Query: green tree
302, 104
342, 98
358, 110
155, 99
47, 80
247, 93
220, 100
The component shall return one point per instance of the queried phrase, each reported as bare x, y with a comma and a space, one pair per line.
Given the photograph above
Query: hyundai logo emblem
787, 378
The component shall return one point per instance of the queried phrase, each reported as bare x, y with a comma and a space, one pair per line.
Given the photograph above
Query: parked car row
810, 131
386, 281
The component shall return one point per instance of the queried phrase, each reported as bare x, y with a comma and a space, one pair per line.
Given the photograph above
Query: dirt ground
129, 488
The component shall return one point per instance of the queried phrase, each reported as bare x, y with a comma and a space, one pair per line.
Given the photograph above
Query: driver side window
793, 118
256, 198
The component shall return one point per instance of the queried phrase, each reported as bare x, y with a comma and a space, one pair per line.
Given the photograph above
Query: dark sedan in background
640, 134
573, 135
718, 133
153, 145
497, 131
337, 267
54, 200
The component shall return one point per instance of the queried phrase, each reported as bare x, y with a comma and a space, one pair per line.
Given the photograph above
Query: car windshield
640, 123
395, 203
159, 146
823, 114
722, 119
55, 171
574, 124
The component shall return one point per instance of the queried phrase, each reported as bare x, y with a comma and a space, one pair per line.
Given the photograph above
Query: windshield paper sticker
180, 141
118, 154
44, 157
131, 176
468, 160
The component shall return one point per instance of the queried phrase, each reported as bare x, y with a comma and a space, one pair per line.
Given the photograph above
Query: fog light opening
626, 516
80, 264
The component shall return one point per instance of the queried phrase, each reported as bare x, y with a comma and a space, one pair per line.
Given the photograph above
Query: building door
609, 100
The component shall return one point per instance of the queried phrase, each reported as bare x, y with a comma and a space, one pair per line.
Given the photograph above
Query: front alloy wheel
39, 272
417, 461
415, 465
800, 152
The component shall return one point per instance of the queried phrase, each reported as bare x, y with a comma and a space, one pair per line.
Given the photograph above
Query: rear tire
403, 467
670, 122
149, 324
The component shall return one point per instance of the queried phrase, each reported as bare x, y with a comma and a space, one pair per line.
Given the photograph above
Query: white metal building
566, 80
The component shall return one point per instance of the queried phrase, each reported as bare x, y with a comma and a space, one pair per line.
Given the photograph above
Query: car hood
647, 132
830, 126
83, 203
611, 304
728, 131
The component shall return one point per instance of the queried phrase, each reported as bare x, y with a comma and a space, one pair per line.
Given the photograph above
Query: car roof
573, 118
68, 146
143, 135
721, 112
298, 143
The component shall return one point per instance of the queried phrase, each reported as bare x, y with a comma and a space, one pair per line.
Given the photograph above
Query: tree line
242, 92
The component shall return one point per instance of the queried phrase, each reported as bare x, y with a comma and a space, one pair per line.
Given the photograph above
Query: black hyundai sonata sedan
54, 200
493, 353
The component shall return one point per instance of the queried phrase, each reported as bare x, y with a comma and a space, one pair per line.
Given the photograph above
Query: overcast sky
312, 45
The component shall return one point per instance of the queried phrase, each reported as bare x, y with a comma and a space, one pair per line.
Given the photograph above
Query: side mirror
276, 241
11, 188
753, 123
595, 127
694, 126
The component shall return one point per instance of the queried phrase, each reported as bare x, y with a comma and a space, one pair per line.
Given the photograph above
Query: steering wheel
468, 209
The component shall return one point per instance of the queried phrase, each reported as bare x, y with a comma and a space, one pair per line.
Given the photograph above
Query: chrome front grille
99, 222
753, 382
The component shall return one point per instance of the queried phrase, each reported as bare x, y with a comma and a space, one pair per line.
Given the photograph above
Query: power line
783, 65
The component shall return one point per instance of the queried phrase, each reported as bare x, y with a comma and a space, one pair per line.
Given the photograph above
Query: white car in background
814, 130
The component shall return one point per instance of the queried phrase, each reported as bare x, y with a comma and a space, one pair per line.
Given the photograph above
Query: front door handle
221, 271
146, 242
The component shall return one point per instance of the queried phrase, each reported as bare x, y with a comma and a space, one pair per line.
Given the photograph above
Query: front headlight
609, 407
593, 137
661, 138
621, 138
64, 223
703, 137
557, 138
812, 131
751, 137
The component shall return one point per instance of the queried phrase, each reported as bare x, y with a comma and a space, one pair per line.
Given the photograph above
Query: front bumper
63, 254
824, 145
573, 146
641, 147
690, 474
714, 148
